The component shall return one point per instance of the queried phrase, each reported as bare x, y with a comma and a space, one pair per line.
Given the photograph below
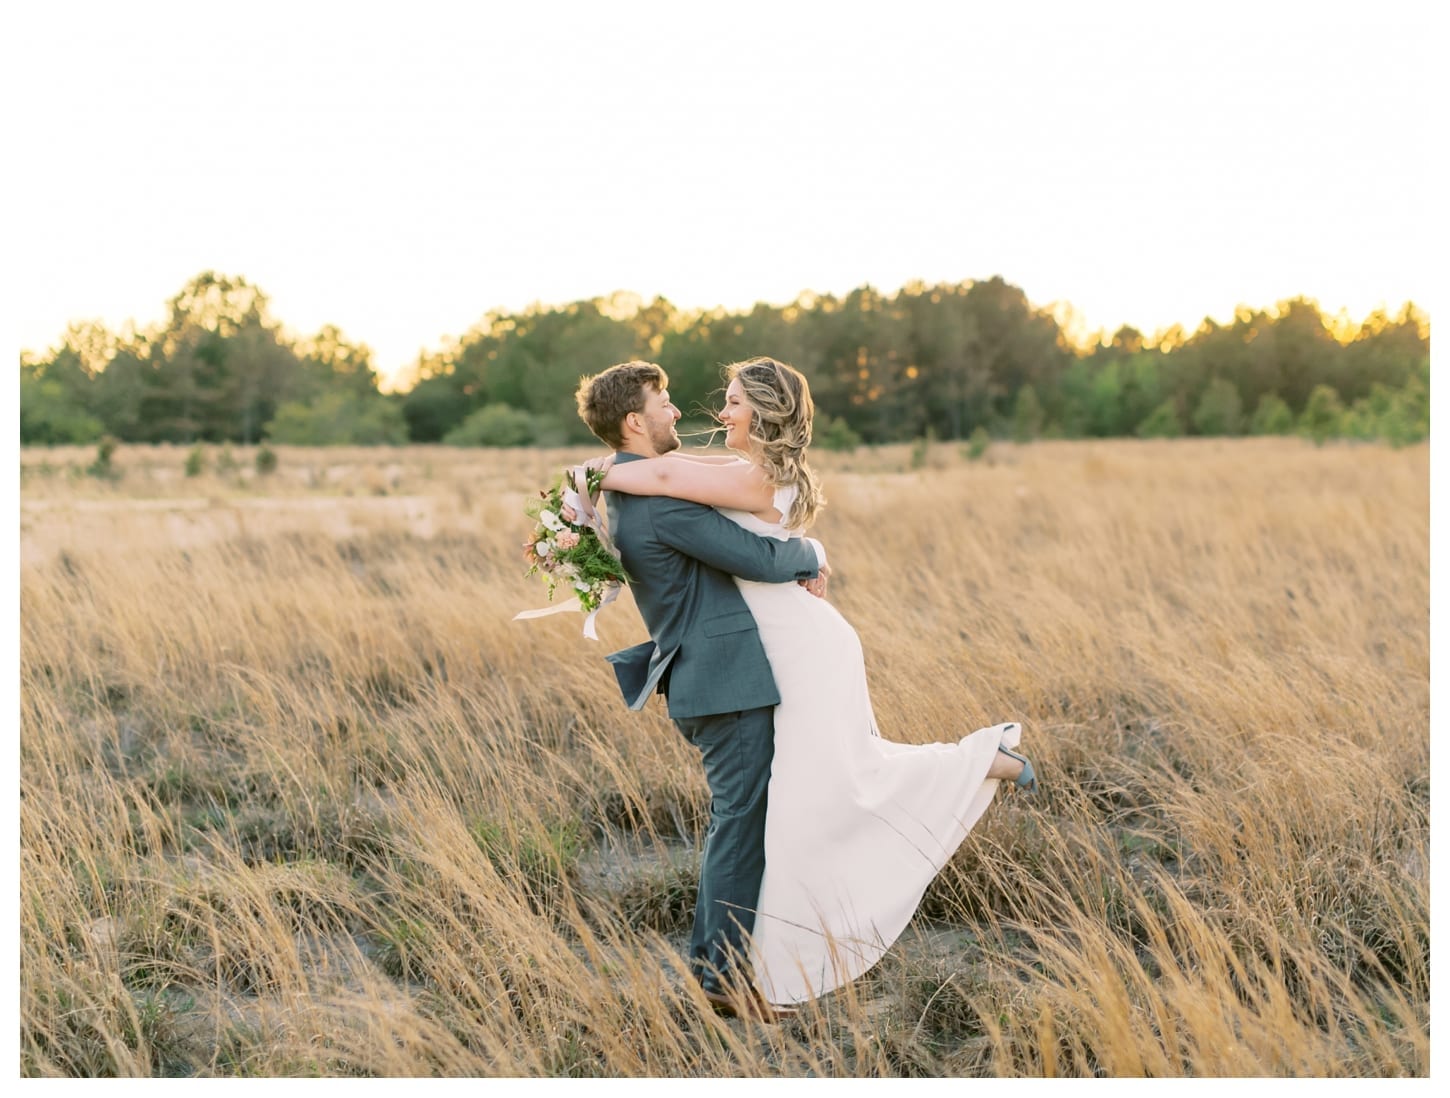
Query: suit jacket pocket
739, 621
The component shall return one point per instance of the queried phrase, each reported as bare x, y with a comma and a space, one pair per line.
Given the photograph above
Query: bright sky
400, 169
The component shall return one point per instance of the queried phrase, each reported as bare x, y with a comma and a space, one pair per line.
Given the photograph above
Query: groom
704, 656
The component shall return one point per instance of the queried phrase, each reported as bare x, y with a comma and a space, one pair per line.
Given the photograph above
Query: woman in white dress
856, 825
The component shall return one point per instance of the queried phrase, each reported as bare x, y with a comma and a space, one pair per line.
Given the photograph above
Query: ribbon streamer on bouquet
586, 515
611, 592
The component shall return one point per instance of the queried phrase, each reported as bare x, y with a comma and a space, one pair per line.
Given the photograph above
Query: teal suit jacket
704, 654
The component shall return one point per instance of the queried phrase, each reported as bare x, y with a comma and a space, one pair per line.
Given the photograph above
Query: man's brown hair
606, 398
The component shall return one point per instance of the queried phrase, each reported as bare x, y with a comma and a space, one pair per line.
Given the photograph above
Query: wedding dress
856, 825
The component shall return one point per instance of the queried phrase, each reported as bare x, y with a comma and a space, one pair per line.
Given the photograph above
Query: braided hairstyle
781, 411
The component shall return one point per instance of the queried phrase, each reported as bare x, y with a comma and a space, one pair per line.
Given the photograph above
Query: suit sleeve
705, 534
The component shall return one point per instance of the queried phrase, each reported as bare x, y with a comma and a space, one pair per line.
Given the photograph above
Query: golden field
299, 798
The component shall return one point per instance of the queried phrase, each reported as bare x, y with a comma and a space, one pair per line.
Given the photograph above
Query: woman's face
735, 417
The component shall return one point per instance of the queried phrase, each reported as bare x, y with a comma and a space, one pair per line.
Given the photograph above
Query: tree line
947, 361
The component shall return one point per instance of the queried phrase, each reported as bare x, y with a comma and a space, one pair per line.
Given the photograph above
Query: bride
856, 825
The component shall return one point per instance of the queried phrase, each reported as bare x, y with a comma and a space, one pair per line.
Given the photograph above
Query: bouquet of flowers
577, 553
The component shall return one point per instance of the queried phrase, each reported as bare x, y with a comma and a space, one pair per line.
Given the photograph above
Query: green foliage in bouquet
571, 552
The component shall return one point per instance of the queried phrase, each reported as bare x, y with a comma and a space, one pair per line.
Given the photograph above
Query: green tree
976, 346
1385, 349
1323, 416
57, 389
1162, 422
945, 358
863, 365
1374, 416
436, 405
48, 414
1219, 411
1396, 416
501, 425
219, 365
1414, 401
330, 362
977, 445
1271, 417
1026, 415
340, 418
119, 391
835, 434
531, 361
1074, 399
104, 465
1105, 403
1142, 387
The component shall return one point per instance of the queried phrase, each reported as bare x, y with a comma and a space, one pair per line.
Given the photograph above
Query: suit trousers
736, 749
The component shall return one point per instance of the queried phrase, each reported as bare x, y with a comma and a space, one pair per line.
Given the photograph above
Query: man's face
660, 416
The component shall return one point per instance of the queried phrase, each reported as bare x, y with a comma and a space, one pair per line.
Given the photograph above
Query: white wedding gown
856, 826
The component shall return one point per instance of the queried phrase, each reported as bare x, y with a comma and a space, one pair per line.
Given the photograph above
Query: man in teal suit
704, 655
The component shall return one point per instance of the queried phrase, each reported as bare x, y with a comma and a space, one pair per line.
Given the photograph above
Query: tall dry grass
298, 798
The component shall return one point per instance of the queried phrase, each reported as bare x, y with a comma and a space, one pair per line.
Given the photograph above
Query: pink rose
566, 539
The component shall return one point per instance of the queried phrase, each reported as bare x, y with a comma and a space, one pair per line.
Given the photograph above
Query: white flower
580, 585
544, 548
551, 520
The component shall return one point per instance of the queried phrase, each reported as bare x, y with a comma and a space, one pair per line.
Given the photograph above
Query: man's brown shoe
748, 1005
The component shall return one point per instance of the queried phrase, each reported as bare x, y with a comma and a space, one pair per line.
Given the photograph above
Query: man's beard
663, 438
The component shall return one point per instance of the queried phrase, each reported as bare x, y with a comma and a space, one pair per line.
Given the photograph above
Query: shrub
1162, 422
1323, 416
266, 460
103, 467
505, 425
1414, 400
1399, 425
1027, 415
196, 461
340, 419
1272, 417
978, 443
921, 448
1220, 410
1400, 417
48, 417
835, 435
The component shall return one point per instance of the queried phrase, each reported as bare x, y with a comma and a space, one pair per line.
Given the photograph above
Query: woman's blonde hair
781, 411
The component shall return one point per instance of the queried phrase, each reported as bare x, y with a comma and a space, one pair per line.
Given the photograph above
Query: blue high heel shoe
1027, 780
